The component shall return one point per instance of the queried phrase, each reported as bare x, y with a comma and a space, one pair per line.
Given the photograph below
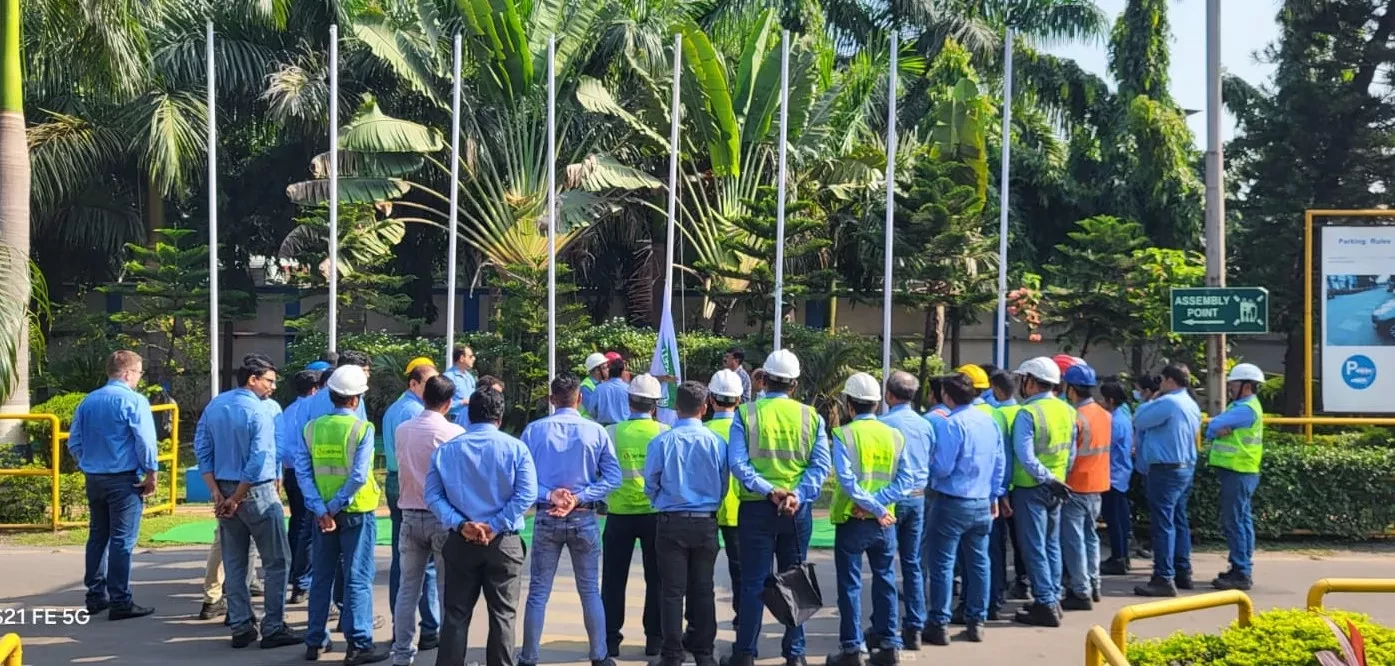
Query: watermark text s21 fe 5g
43, 617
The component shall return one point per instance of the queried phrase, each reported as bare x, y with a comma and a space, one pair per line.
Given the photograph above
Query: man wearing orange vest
1088, 480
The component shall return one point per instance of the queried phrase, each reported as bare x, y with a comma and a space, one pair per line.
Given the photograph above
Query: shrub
1276, 638
63, 406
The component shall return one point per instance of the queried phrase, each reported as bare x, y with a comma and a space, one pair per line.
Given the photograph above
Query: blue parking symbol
1359, 372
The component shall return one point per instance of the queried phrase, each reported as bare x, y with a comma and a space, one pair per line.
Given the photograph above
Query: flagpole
454, 200
780, 190
1001, 334
890, 213
672, 174
212, 215
333, 188
551, 208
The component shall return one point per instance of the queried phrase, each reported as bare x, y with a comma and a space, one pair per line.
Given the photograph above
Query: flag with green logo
665, 362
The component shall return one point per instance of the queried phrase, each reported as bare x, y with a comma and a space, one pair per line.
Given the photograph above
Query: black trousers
732, 544
687, 546
472, 569
617, 548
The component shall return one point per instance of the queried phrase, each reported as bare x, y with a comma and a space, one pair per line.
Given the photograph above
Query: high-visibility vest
1090, 474
1241, 450
984, 407
779, 441
731, 503
874, 448
588, 383
1005, 416
1052, 422
632, 439
333, 442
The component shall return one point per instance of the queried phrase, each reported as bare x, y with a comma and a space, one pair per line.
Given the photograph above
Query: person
966, 473
461, 373
735, 360
779, 453
987, 391
867, 462
685, 479
422, 537
937, 410
1004, 391
576, 468
757, 384
235, 444
1088, 479
335, 469
320, 403
610, 401
479, 486
112, 439
595, 374
631, 516
1146, 387
978, 381
485, 383
405, 408
1118, 513
919, 439
1169, 425
1042, 436
288, 441
725, 390
1237, 446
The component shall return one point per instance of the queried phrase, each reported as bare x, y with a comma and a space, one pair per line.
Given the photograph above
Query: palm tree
14, 225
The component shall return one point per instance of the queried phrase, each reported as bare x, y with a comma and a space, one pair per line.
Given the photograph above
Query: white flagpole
890, 214
1001, 356
780, 189
674, 116
334, 188
454, 200
551, 208
212, 215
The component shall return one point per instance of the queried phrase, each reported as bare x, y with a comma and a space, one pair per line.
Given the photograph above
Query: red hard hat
612, 356
1063, 361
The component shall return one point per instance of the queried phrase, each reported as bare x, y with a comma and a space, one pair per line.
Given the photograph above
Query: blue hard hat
1080, 375
318, 366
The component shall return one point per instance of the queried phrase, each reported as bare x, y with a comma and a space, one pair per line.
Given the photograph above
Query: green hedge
1276, 638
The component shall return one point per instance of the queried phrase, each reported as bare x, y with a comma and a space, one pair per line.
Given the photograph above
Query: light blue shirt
685, 468
936, 412
319, 404
873, 503
236, 439
113, 431
289, 429
820, 462
482, 476
1168, 425
1024, 445
610, 402
1238, 415
464, 381
406, 408
969, 462
1121, 448
574, 453
920, 440
358, 475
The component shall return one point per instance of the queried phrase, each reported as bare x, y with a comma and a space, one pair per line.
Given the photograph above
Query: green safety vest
1005, 416
632, 439
984, 407
333, 441
779, 441
726, 513
875, 451
589, 382
1052, 423
1241, 450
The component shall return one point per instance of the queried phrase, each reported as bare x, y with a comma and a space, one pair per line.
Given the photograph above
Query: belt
690, 514
584, 506
1170, 465
250, 485
127, 472
416, 511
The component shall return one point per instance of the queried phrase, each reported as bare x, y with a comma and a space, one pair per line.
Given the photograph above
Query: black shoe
994, 615
210, 611
935, 634
282, 638
1143, 553
653, 646
1156, 587
1095, 595
245, 638
1183, 581
665, 661
371, 655
957, 617
796, 661
128, 611
973, 633
313, 653
871, 639
910, 639
428, 643
1115, 567
1019, 590
853, 658
886, 657
1232, 582
1038, 615
528, 663
297, 597
740, 659
701, 661
1071, 602
612, 650
93, 609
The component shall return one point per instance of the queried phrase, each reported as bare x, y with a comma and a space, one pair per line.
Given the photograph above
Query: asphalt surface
1349, 318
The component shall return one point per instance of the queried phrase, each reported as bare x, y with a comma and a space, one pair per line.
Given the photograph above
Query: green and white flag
665, 362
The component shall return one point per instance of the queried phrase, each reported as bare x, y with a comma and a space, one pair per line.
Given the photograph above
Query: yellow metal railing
1329, 585
1119, 628
52, 472
11, 653
172, 458
1099, 649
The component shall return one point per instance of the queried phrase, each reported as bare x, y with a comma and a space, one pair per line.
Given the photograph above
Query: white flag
665, 362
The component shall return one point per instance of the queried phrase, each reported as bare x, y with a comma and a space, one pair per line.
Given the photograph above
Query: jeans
213, 571
428, 603
298, 532
1080, 541
1118, 515
1168, 488
617, 549
687, 546
1237, 518
1038, 517
581, 536
765, 535
259, 518
962, 528
114, 510
997, 564
350, 545
421, 538
851, 539
493, 570
910, 532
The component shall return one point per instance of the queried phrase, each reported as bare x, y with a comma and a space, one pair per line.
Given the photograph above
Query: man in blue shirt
288, 441
610, 402
112, 438
685, 478
910, 510
479, 486
235, 443
1168, 425
461, 373
1004, 392
1118, 513
407, 407
576, 469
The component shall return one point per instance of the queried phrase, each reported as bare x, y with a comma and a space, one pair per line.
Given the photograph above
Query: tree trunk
721, 312
14, 209
954, 328
154, 211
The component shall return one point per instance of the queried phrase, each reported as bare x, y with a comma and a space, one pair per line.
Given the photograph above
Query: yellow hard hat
418, 362
976, 375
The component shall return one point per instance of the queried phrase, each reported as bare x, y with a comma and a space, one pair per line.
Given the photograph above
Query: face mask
1137, 395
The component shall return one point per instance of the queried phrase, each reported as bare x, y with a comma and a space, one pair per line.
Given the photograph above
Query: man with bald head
901, 388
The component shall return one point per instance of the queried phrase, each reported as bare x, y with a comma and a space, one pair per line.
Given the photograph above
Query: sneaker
242, 640
1115, 567
369, 655
653, 645
210, 611
887, 657
935, 634
298, 596
313, 653
1156, 587
1038, 615
1072, 602
1232, 582
129, 611
428, 643
1183, 581
282, 638
910, 639
973, 633
850, 658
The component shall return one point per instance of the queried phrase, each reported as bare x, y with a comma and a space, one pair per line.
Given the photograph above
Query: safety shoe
210, 611
935, 634
1183, 580
244, 638
128, 611
910, 639
886, 657
1038, 615
1156, 587
282, 638
850, 658
313, 653
370, 655
973, 632
1232, 581
1072, 602
1116, 566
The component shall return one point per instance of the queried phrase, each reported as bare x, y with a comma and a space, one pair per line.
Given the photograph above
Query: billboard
1358, 319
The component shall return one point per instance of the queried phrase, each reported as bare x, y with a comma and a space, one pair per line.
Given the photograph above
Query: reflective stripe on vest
632, 439
333, 442
1052, 422
1090, 474
1243, 449
731, 502
779, 441
874, 451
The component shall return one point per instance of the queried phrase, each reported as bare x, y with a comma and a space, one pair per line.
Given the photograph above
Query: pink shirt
417, 439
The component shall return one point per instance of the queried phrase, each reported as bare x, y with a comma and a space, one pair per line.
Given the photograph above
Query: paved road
170, 579
1349, 318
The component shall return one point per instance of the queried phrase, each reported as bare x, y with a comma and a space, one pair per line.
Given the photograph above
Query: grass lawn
77, 536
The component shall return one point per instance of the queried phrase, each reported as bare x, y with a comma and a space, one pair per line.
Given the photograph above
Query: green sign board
1210, 310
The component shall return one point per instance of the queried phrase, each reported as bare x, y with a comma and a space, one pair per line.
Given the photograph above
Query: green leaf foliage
1275, 638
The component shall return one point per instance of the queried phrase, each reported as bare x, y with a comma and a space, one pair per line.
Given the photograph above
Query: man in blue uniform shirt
1118, 514
1168, 425
610, 402
461, 373
288, 441
910, 510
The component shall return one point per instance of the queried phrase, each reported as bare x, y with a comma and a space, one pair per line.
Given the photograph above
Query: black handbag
793, 595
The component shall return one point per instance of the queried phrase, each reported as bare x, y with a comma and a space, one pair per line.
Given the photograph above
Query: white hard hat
864, 387
727, 384
596, 359
1246, 372
782, 364
348, 380
646, 386
1042, 368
